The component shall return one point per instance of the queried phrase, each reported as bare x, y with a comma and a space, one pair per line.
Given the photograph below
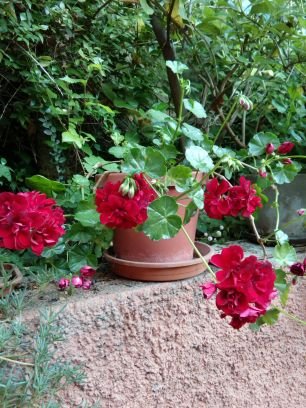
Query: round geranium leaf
180, 176
162, 222
134, 161
285, 173
199, 158
258, 143
155, 163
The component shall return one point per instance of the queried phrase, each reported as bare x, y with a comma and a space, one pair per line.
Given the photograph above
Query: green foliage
42, 376
163, 221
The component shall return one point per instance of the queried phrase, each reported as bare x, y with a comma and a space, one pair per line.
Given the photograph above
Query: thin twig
16, 361
101, 8
12, 97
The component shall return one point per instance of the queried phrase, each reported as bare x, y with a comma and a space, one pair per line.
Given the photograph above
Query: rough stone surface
161, 345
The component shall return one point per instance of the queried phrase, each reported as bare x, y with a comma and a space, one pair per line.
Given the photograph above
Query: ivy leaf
192, 132
199, 158
285, 173
285, 254
72, 136
258, 143
44, 185
179, 176
195, 107
163, 221
176, 67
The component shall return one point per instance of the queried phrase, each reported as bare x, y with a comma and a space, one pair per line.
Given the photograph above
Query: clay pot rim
206, 251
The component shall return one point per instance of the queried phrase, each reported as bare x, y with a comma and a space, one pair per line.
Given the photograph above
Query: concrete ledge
163, 346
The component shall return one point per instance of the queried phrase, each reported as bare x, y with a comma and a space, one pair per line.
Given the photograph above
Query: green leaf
163, 221
80, 257
285, 254
258, 143
79, 233
69, 80
134, 161
285, 173
155, 163
192, 132
197, 196
270, 317
149, 161
264, 7
179, 176
282, 286
176, 67
118, 151
199, 158
146, 8
189, 212
195, 107
80, 180
223, 151
72, 136
281, 237
88, 218
57, 249
44, 185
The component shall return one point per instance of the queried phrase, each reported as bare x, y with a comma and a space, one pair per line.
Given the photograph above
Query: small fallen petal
63, 283
77, 281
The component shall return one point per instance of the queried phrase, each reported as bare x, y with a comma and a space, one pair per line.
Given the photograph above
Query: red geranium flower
285, 148
29, 220
243, 199
245, 286
120, 211
216, 202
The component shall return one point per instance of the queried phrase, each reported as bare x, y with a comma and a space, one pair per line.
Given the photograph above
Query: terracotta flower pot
14, 280
160, 271
132, 245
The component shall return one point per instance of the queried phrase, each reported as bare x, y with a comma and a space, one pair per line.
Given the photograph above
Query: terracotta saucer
160, 271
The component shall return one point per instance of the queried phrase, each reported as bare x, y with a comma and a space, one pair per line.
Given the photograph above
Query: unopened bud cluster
128, 187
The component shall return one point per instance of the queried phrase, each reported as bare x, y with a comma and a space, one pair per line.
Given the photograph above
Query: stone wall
162, 345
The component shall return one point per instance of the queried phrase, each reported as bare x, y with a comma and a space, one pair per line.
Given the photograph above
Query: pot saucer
160, 271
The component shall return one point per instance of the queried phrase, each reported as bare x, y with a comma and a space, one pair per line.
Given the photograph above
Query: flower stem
226, 120
291, 316
258, 237
276, 205
198, 252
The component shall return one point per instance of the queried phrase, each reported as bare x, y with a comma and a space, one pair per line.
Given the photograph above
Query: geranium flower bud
298, 269
270, 148
208, 289
86, 284
245, 103
287, 161
128, 187
87, 272
63, 283
301, 211
285, 148
77, 281
262, 173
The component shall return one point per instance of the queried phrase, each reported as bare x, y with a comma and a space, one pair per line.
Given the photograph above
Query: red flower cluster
120, 211
222, 199
245, 287
29, 220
